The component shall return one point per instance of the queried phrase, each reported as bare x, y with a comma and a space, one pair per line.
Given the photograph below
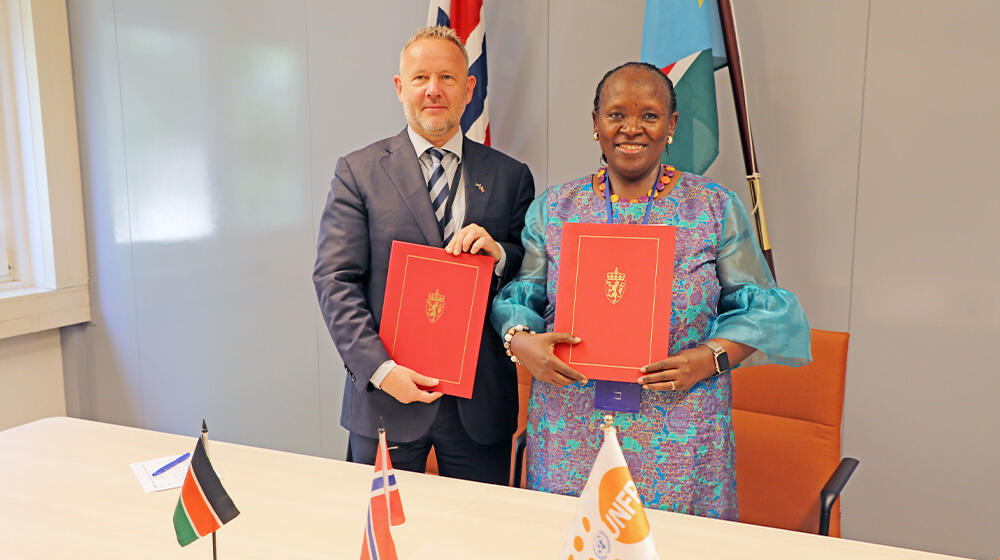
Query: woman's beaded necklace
663, 178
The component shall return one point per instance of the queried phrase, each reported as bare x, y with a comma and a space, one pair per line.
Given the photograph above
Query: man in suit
428, 185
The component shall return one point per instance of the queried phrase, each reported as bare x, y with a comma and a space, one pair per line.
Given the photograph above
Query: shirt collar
420, 144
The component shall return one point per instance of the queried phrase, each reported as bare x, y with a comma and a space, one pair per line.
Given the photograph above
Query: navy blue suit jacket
378, 194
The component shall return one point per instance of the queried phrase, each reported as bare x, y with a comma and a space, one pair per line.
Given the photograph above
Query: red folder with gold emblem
614, 291
432, 316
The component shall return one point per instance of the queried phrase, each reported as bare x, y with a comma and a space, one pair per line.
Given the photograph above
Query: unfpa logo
620, 507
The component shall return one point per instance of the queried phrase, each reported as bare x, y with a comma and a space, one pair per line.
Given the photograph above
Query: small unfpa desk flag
384, 508
204, 506
610, 523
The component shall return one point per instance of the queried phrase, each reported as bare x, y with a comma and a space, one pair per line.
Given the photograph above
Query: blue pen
171, 464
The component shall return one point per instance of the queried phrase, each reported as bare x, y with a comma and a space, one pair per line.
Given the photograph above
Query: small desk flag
610, 520
384, 508
204, 506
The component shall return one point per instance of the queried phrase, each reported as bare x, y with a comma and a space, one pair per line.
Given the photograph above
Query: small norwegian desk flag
384, 508
610, 521
204, 506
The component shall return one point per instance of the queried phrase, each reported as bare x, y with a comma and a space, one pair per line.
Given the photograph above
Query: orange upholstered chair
517, 471
787, 422
517, 461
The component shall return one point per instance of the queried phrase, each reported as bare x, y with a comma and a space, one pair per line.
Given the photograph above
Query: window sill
30, 310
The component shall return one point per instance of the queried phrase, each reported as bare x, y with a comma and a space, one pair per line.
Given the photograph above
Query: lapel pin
481, 188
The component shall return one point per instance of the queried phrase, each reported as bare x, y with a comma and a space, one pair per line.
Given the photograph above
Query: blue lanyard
616, 395
610, 208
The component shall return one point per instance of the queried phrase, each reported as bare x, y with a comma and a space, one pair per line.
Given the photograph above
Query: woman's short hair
435, 32
671, 102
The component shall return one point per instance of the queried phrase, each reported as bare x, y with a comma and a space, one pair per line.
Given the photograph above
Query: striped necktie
438, 187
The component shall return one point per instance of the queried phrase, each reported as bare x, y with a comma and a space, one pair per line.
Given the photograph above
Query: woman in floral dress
725, 304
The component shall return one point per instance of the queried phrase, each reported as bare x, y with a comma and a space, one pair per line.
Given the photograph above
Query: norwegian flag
384, 509
466, 18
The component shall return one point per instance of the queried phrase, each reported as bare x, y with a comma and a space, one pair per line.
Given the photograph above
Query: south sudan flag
683, 38
204, 506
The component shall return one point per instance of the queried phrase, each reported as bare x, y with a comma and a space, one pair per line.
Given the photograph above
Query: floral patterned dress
679, 446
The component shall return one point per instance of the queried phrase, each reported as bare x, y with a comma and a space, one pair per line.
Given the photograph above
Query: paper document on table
172, 478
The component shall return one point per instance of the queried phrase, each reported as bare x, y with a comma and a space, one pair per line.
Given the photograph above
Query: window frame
40, 166
7, 276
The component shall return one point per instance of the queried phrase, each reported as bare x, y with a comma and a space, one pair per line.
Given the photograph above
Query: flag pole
743, 120
384, 442
204, 443
609, 422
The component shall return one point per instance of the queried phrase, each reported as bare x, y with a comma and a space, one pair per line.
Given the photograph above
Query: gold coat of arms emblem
615, 284
434, 306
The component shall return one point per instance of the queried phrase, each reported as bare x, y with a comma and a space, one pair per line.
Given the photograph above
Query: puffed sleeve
753, 310
522, 300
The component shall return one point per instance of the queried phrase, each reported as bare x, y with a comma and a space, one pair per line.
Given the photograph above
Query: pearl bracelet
509, 335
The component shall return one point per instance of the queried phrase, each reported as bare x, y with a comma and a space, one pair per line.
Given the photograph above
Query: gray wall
209, 132
924, 299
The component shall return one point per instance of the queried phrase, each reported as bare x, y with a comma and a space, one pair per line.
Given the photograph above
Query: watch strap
720, 356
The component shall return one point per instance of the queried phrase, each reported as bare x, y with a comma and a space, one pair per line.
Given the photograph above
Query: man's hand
472, 239
401, 382
535, 352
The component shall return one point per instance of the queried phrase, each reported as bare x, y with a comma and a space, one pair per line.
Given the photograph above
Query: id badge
618, 396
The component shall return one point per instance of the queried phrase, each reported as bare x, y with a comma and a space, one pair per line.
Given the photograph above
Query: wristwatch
721, 357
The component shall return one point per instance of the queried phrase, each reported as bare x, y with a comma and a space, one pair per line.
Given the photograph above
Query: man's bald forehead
434, 32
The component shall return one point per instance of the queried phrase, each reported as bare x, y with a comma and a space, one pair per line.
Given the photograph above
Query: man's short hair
435, 32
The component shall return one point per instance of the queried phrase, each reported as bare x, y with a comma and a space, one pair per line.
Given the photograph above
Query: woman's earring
595, 136
670, 139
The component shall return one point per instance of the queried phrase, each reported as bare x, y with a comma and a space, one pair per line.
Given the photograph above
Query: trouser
458, 456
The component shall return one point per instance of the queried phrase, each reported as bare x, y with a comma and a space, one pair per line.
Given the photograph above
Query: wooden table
66, 491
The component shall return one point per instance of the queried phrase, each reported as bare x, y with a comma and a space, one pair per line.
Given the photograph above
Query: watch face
723, 361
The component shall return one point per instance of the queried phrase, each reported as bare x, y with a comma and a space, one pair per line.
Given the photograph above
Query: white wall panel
517, 43
101, 358
585, 41
921, 392
213, 222
215, 126
805, 108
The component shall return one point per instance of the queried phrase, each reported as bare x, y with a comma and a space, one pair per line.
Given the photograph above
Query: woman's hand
535, 353
679, 372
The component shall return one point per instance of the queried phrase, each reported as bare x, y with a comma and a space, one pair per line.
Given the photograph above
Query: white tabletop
66, 491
